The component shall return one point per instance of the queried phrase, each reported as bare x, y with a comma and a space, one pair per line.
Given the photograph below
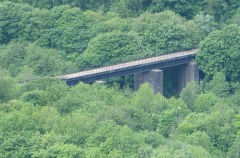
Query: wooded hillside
43, 117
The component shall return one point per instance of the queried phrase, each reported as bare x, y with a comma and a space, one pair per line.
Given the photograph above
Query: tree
235, 19
166, 37
198, 138
219, 52
36, 97
10, 15
113, 24
112, 48
110, 138
60, 150
12, 57
221, 9
4, 73
127, 8
205, 23
187, 9
204, 102
163, 32
234, 150
167, 120
218, 85
73, 34
25, 75
189, 94
237, 123
8, 88
144, 20
32, 23
217, 124
154, 138
47, 61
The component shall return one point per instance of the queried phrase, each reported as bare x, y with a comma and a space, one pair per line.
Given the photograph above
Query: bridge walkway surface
128, 67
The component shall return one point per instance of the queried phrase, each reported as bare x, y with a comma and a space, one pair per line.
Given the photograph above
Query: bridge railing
149, 60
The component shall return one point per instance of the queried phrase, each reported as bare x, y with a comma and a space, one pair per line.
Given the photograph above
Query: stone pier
153, 77
185, 74
181, 75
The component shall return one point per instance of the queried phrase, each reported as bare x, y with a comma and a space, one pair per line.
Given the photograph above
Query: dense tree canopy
114, 47
220, 52
41, 116
96, 121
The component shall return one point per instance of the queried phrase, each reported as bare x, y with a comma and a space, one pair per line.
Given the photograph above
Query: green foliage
43, 117
205, 23
167, 120
45, 83
237, 123
12, 57
144, 97
166, 37
8, 89
189, 94
25, 75
17, 57
110, 48
178, 150
163, 32
221, 9
235, 19
184, 8
194, 32
85, 96
70, 31
217, 125
10, 15
198, 138
60, 150
36, 97
204, 102
234, 150
141, 23
18, 144
154, 139
145, 152
43, 91
219, 52
113, 24
4, 73
77, 128
127, 8
102, 122
115, 113
193, 151
218, 85
110, 138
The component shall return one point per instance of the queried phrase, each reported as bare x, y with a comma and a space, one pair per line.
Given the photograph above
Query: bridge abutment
153, 77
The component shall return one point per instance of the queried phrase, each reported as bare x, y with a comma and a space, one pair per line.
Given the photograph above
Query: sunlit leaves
220, 52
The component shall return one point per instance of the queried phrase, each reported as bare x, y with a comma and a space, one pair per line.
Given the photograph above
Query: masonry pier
182, 75
153, 77
187, 73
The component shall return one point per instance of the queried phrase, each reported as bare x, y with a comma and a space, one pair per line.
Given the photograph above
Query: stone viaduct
147, 70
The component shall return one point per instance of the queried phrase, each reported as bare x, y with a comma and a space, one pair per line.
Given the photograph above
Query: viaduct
147, 70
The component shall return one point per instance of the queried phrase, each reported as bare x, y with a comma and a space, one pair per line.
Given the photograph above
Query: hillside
42, 116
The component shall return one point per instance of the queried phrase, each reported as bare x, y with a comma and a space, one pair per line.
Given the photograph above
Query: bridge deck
112, 68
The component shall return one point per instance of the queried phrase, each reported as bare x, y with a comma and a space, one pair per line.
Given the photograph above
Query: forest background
43, 117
